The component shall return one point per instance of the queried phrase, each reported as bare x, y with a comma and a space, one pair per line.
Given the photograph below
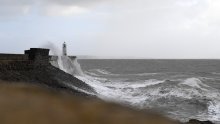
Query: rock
30, 104
194, 121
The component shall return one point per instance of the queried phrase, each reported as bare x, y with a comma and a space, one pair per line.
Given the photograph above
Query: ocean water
180, 89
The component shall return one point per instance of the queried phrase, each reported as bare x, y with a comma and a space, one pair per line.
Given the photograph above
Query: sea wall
31, 59
20, 65
13, 57
34, 67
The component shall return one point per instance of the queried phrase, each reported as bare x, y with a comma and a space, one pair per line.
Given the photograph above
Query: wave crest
195, 82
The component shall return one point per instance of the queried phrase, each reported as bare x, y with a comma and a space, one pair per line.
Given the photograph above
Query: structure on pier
64, 49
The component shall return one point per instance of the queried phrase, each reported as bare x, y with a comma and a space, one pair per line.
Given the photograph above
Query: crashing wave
195, 82
214, 110
182, 94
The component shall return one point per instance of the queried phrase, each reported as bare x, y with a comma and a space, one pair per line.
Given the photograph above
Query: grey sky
115, 28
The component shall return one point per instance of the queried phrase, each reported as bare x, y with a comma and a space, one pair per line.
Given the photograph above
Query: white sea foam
144, 84
214, 110
101, 71
133, 85
146, 74
91, 73
130, 92
103, 91
79, 89
194, 82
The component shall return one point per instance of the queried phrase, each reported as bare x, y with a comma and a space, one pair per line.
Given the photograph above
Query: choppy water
181, 89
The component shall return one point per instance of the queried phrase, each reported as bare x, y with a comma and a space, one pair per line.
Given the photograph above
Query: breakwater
34, 66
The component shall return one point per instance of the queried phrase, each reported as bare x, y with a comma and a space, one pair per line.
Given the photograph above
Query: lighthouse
64, 49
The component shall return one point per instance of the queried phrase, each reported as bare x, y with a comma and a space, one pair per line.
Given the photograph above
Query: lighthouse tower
64, 49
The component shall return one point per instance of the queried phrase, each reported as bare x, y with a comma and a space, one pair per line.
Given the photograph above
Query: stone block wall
38, 55
13, 57
33, 58
19, 66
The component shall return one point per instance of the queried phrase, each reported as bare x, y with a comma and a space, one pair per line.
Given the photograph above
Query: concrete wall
13, 57
19, 65
38, 55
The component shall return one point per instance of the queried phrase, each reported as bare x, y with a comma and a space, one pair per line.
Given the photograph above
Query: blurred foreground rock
30, 104
23, 103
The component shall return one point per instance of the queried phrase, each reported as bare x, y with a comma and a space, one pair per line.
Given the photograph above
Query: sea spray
70, 66
214, 110
64, 63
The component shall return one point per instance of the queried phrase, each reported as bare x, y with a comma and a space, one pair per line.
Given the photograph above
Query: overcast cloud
125, 28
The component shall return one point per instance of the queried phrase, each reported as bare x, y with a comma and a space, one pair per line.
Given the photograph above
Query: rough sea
179, 89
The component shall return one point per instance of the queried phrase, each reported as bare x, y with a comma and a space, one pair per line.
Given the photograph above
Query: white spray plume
64, 63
